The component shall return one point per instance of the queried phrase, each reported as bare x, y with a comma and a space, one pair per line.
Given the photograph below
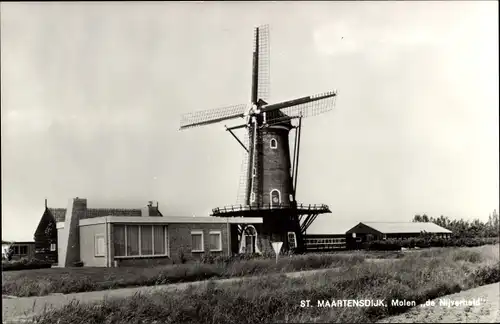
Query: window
146, 240
253, 172
119, 240
53, 247
99, 245
160, 234
292, 240
252, 197
139, 240
274, 143
197, 241
275, 197
23, 249
215, 241
132, 240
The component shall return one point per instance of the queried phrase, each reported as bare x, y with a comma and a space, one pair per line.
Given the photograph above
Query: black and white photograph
218, 162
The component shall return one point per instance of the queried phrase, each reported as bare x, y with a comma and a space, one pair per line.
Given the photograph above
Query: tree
8, 250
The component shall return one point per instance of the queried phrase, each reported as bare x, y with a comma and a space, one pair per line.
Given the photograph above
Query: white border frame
198, 232
220, 239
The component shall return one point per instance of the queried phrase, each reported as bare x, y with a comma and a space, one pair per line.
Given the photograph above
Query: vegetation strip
278, 299
60, 280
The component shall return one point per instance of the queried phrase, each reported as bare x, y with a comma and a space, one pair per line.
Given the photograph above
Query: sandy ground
488, 310
16, 310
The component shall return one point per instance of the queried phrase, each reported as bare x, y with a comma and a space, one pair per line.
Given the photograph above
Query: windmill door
249, 244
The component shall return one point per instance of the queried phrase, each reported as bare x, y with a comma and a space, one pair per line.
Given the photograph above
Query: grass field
416, 276
70, 280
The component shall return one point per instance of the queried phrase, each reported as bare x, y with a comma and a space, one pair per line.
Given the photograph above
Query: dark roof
60, 213
273, 116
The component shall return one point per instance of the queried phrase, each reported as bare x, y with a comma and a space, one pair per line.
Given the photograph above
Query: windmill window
274, 143
252, 197
253, 172
52, 246
275, 197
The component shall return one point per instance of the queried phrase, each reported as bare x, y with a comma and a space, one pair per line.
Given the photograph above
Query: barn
370, 231
120, 237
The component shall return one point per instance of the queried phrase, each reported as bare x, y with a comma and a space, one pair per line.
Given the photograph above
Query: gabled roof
60, 213
406, 227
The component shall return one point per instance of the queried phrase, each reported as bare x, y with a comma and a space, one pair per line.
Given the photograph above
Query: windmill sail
263, 63
210, 116
242, 198
305, 106
312, 108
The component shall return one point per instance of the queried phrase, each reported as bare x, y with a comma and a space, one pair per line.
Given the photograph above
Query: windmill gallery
267, 212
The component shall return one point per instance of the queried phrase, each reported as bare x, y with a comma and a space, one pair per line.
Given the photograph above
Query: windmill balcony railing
238, 208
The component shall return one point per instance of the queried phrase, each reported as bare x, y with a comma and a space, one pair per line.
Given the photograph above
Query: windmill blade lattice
241, 198
312, 108
210, 116
262, 46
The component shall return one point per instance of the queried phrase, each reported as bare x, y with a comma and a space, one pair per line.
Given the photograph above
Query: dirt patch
485, 308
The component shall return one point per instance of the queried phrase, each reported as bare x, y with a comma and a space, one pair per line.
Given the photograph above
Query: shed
369, 231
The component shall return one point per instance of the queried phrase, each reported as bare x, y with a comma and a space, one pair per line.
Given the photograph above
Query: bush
426, 242
25, 264
487, 275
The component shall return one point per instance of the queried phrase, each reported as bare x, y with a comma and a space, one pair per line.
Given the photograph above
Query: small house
121, 237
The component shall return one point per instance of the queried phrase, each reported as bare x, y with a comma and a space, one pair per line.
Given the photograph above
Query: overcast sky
92, 95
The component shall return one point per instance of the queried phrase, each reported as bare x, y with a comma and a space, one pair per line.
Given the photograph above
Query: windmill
269, 176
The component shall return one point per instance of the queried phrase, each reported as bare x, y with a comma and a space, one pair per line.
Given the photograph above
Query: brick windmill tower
269, 178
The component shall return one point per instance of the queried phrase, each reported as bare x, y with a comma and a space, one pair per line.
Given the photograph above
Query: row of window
325, 241
214, 241
325, 247
20, 249
150, 240
135, 240
275, 196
